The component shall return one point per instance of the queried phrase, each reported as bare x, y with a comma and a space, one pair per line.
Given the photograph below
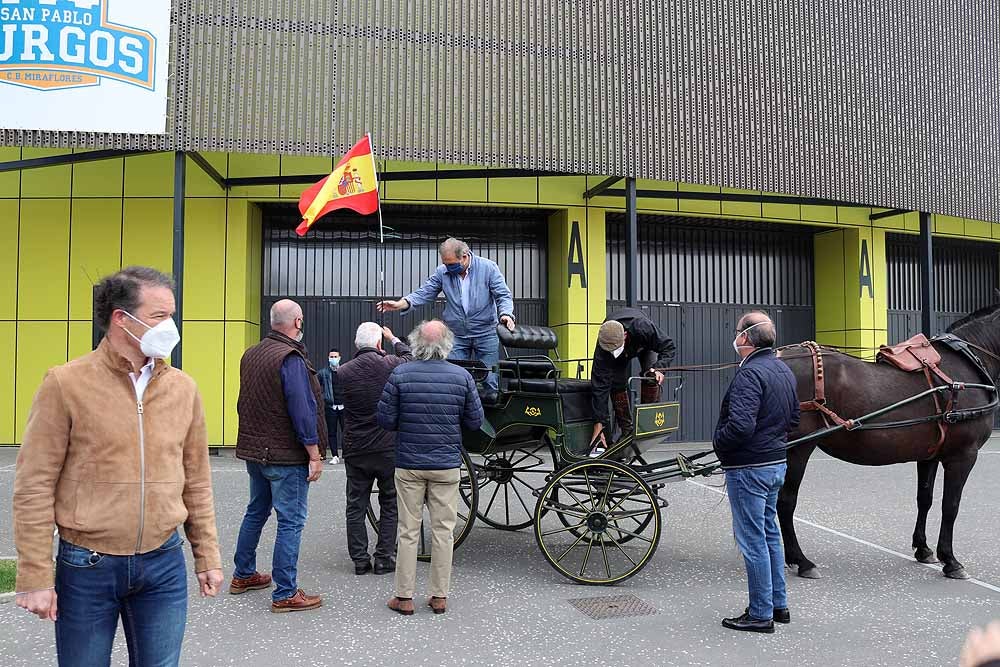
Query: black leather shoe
747, 624
385, 567
363, 568
780, 615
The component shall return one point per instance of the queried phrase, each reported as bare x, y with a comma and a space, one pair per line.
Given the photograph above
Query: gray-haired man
478, 297
428, 401
369, 450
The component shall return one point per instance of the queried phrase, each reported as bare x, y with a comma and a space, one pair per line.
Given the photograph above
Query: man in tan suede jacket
115, 455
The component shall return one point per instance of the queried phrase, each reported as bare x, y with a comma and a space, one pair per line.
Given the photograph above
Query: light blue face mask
334, 362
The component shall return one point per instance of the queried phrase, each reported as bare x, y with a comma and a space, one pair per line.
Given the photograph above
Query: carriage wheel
463, 521
508, 482
596, 503
633, 524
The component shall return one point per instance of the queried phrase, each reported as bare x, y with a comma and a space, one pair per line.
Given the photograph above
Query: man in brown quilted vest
282, 437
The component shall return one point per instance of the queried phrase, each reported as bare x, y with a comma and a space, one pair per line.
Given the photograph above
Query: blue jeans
285, 489
484, 348
753, 497
147, 591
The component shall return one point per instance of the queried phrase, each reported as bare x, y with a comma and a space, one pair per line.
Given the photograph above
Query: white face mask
617, 352
737, 347
159, 341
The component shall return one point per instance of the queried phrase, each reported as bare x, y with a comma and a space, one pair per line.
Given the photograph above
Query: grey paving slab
510, 608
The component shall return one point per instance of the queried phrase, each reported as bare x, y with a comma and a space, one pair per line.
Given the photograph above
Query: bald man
758, 411
282, 437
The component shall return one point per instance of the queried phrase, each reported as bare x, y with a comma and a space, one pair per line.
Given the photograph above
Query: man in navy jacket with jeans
758, 411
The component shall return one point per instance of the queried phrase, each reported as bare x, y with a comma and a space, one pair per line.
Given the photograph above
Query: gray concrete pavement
873, 606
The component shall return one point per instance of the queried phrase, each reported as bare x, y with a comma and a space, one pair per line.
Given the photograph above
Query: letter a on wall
865, 273
575, 259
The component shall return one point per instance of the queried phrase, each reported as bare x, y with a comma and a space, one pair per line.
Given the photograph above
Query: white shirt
145, 375
466, 284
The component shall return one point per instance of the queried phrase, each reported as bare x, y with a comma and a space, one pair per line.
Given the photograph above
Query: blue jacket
759, 410
489, 298
427, 403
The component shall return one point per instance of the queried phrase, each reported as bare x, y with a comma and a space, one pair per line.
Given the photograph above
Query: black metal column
927, 299
631, 246
180, 179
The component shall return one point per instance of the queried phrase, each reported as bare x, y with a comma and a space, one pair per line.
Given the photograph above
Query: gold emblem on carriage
532, 411
658, 419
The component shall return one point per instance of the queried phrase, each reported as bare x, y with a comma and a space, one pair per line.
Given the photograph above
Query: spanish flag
353, 184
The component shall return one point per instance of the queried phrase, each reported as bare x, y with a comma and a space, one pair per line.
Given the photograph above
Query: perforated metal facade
886, 103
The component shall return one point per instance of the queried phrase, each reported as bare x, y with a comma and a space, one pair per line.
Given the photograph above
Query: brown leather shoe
439, 605
298, 602
404, 607
251, 583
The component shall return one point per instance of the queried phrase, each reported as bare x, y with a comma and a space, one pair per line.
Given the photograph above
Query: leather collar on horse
916, 354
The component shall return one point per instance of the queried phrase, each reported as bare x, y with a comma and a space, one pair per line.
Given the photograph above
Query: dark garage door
334, 271
965, 275
697, 277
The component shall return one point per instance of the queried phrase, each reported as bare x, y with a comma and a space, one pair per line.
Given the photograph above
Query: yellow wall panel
237, 252
242, 164
829, 266
81, 339
562, 190
10, 181
8, 258
782, 211
741, 208
947, 224
40, 346
977, 228
697, 205
47, 181
8, 338
239, 337
102, 178
852, 215
462, 190
513, 190
147, 238
149, 175
204, 354
818, 213
43, 260
95, 250
200, 184
294, 165
205, 259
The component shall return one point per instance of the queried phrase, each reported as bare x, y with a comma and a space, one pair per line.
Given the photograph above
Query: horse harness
916, 354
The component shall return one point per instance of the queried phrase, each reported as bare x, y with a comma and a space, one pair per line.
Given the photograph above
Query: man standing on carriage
478, 297
626, 334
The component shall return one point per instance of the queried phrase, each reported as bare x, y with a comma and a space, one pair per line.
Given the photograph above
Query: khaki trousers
438, 489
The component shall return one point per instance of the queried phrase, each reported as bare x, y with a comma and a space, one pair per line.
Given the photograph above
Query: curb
6, 597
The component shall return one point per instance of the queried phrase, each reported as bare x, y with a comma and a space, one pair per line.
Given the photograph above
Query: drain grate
613, 606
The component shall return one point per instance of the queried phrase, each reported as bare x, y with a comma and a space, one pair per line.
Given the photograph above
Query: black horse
854, 388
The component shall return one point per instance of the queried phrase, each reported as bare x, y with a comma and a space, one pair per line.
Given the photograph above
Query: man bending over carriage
626, 334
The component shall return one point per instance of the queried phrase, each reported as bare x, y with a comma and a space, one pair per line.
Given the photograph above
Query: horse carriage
596, 520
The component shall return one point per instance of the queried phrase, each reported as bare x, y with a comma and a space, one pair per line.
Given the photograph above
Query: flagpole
381, 227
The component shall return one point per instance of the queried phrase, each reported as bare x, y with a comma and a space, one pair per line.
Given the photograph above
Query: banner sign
84, 65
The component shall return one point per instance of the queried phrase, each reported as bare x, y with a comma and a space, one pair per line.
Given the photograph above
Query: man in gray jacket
478, 298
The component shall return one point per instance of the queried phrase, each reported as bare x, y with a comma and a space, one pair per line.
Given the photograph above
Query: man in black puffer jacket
369, 450
427, 402
758, 411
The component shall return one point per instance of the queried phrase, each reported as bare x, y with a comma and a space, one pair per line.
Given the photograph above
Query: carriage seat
910, 355
527, 368
548, 386
528, 336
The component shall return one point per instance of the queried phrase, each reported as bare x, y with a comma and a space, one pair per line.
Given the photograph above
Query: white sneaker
597, 452
334, 460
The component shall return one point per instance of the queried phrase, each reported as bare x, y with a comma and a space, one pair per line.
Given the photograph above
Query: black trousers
332, 424
362, 472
